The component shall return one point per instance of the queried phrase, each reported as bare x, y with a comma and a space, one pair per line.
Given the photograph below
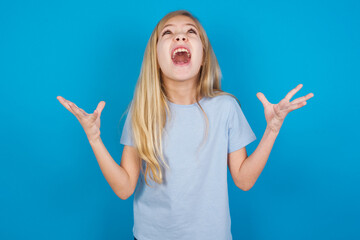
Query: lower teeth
180, 62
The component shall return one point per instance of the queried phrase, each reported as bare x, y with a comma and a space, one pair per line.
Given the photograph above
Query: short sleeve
240, 133
126, 136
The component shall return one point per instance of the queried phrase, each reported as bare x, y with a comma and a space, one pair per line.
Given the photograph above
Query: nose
180, 36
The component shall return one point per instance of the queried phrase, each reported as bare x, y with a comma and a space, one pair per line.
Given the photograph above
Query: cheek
158, 51
200, 52
161, 53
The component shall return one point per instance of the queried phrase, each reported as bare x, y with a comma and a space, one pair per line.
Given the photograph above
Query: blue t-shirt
192, 202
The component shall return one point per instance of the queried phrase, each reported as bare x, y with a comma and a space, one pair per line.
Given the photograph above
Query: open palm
90, 122
276, 113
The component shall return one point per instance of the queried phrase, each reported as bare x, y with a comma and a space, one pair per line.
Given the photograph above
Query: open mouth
181, 56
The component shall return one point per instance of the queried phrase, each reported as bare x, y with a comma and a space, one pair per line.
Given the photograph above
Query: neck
181, 92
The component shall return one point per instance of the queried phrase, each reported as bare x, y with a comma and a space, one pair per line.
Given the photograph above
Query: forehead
179, 20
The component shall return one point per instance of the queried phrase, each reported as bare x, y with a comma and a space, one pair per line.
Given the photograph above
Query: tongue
181, 57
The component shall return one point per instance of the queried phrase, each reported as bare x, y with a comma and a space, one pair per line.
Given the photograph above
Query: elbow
244, 187
124, 195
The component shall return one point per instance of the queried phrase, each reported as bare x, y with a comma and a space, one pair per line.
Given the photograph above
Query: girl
184, 131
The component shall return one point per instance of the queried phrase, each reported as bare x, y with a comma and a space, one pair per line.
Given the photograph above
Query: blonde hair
149, 107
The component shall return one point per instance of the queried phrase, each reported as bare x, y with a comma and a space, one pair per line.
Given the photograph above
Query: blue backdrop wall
88, 51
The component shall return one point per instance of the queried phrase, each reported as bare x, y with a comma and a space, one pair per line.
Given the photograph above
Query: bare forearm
116, 176
253, 165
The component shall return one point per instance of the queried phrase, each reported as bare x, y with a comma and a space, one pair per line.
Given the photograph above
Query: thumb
98, 110
95, 115
262, 98
100, 107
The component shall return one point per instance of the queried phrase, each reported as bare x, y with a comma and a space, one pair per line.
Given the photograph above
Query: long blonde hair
149, 107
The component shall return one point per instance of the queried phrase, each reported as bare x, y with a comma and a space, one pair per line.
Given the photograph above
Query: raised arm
122, 179
247, 169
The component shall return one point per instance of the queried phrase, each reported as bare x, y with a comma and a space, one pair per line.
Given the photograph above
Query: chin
182, 73
181, 78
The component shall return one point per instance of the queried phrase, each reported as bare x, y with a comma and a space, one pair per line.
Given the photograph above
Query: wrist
94, 141
272, 130
274, 125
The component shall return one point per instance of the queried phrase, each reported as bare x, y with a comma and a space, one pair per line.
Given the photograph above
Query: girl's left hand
276, 113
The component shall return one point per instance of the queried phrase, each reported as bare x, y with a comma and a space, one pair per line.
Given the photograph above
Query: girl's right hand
90, 122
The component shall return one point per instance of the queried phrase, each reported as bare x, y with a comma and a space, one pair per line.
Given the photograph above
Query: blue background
87, 51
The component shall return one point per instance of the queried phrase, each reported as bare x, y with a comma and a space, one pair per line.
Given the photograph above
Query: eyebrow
188, 24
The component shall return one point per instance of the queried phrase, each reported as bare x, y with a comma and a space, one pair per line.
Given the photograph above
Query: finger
292, 92
71, 109
76, 110
303, 98
65, 103
80, 111
83, 112
98, 110
262, 98
296, 106
100, 107
95, 115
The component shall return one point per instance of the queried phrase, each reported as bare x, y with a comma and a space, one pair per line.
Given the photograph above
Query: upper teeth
180, 50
